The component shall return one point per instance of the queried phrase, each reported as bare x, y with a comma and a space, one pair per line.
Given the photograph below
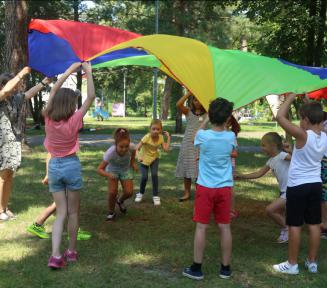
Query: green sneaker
39, 231
83, 235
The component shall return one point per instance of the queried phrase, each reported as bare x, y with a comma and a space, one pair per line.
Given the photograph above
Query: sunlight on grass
21, 251
136, 258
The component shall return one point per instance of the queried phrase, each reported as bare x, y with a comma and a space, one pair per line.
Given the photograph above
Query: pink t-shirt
62, 137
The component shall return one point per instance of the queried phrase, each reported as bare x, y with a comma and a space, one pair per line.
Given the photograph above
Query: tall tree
16, 17
15, 48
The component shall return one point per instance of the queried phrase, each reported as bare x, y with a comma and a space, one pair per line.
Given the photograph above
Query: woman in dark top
11, 126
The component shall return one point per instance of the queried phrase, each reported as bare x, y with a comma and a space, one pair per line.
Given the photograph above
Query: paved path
100, 140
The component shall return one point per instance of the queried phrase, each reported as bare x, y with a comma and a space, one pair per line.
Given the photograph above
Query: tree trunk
311, 33
166, 97
181, 7
15, 50
321, 33
177, 92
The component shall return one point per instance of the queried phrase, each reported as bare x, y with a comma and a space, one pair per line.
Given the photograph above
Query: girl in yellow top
149, 157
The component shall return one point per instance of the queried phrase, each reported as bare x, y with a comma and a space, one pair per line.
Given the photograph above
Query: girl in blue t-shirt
118, 165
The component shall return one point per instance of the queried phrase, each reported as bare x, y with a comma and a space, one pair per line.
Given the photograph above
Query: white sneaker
4, 216
287, 268
283, 237
311, 266
138, 197
156, 201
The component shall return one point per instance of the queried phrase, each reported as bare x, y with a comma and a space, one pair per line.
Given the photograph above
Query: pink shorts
216, 200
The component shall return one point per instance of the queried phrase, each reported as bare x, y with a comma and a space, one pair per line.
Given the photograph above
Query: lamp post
155, 70
124, 71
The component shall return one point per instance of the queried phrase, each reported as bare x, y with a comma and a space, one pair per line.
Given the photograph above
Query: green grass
149, 246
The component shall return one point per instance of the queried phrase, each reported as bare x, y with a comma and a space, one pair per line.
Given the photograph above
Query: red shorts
217, 200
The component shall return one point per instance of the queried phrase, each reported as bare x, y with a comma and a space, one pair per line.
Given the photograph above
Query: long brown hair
121, 134
62, 106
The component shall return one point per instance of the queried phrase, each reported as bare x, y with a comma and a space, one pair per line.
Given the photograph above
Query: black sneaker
225, 273
122, 207
110, 217
196, 275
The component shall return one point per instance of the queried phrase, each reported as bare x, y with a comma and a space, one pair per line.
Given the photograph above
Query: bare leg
294, 238
324, 214
113, 191
73, 217
187, 189
127, 190
314, 242
8, 187
6, 176
276, 211
225, 243
46, 213
199, 242
58, 226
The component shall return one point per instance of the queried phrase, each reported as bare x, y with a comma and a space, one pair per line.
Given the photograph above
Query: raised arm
63, 78
294, 130
90, 87
7, 90
37, 88
181, 101
166, 145
254, 175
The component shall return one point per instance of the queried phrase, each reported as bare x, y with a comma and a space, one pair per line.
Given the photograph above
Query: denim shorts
65, 174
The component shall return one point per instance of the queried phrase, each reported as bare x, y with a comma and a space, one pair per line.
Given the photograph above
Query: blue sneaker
225, 273
196, 275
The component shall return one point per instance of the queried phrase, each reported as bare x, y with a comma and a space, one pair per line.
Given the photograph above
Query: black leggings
154, 175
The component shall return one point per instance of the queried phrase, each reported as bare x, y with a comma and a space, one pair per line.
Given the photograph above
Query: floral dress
11, 127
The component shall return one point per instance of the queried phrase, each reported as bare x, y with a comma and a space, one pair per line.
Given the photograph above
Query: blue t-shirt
215, 165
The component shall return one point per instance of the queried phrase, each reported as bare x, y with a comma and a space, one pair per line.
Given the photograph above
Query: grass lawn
149, 246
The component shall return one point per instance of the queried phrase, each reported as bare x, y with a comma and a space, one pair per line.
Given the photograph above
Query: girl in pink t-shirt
62, 123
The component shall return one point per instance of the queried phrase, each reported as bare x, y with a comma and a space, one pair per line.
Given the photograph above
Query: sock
195, 267
225, 267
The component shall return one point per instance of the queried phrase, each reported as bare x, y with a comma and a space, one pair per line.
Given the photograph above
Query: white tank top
306, 162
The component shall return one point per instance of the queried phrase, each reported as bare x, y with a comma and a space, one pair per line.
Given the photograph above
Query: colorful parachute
206, 71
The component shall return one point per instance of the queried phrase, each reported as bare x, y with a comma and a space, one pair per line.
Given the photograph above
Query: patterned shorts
324, 179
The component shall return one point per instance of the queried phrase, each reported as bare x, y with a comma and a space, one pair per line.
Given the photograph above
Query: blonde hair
156, 122
62, 105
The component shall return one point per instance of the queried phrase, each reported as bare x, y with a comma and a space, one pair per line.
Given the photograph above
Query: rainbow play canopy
206, 71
